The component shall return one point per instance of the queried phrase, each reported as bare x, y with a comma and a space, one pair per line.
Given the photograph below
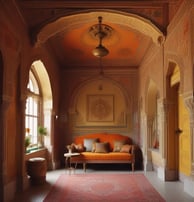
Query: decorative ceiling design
63, 26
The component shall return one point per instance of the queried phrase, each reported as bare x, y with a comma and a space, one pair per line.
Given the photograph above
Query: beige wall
119, 91
18, 55
130, 92
177, 49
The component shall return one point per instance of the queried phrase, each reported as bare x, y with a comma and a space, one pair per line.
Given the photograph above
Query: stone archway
79, 19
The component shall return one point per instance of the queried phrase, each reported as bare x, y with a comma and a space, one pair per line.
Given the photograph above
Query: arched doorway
173, 130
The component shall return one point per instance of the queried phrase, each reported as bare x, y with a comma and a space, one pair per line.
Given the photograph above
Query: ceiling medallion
100, 31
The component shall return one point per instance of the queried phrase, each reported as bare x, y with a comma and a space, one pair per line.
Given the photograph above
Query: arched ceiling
73, 44
63, 27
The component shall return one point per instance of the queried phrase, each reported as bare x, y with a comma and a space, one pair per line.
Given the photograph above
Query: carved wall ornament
100, 108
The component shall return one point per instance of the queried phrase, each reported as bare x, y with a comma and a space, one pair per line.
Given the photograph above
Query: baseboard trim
188, 183
171, 175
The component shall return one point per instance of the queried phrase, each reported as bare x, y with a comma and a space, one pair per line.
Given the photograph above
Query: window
33, 109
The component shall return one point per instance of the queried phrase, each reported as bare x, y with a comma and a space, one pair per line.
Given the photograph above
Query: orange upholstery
109, 157
103, 137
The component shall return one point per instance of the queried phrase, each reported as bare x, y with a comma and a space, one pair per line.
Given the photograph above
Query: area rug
103, 187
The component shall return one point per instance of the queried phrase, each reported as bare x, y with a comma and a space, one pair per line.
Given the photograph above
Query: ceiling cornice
93, 4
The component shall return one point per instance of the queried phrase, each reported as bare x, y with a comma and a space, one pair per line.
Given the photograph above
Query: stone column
3, 109
163, 126
53, 161
162, 133
144, 131
22, 180
149, 165
50, 119
150, 121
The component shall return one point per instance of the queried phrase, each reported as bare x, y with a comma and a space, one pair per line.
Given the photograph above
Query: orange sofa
105, 148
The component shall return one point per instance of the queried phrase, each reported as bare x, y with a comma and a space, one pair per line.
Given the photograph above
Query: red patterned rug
103, 187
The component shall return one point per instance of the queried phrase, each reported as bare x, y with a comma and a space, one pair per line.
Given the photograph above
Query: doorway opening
173, 130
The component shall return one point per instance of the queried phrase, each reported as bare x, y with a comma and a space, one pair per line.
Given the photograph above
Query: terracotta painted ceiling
63, 27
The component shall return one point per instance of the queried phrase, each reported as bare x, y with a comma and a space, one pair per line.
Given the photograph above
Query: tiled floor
171, 191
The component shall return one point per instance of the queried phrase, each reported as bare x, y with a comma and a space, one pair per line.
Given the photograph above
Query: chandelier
100, 31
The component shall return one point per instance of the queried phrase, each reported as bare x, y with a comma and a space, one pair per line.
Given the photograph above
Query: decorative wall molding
185, 6
128, 19
189, 102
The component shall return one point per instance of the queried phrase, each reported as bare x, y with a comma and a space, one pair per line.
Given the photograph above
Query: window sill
30, 150
154, 149
36, 152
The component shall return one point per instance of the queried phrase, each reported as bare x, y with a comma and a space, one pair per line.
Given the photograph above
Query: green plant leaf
42, 130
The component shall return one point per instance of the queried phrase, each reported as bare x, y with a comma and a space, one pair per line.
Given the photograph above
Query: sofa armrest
138, 157
133, 150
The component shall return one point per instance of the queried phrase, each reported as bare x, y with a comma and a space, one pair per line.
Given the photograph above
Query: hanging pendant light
100, 31
100, 51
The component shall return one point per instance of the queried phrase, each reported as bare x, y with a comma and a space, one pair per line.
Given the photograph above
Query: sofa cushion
101, 147
126, 148
88, 143
103, 137
118, 145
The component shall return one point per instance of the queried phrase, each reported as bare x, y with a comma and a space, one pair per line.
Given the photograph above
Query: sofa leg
133, 167
84, 167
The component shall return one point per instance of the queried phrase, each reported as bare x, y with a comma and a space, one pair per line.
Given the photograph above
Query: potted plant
42, 131
27, 142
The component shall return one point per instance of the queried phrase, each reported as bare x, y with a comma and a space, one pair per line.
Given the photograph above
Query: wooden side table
36, 169
68, 157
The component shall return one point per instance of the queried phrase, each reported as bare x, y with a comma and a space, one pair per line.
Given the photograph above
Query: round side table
68, 156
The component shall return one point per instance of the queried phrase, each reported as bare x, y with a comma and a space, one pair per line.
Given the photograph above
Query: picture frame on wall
100, 108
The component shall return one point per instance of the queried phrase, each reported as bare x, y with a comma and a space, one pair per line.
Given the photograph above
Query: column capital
189, 102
